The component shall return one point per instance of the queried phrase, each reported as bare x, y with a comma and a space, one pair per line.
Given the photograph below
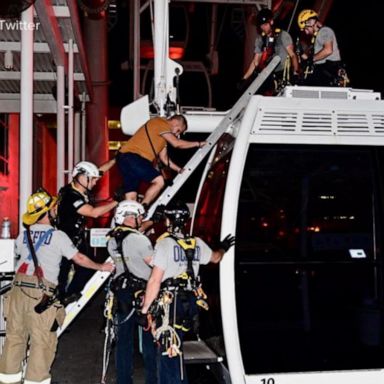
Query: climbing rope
109, 331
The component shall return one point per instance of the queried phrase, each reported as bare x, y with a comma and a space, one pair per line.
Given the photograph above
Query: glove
158, 215
227, 242
142, 319
119, 194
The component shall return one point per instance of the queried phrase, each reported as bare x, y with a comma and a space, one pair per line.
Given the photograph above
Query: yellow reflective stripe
45, 381
177, 326
10, 377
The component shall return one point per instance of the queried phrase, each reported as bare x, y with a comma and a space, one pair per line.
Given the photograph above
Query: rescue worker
132, 253
74, 207
174, 282
272, 41
147, 146
322, 61
30, 307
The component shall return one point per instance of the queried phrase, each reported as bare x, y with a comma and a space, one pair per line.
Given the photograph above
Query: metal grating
316, 122
9, 86
318, 94
44, 62
308, 117
319, 122
378, 122
335, 93
353, 123
278, 121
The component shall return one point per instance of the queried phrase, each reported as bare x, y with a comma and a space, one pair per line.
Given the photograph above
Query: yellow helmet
38, 203
304, 16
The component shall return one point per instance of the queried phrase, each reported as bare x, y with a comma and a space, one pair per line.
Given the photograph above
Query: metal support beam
165, 68
77, 138
70, 105
60, 138
161, 44
136, 49
37, 76
95, 34
83, 128
61, 11
75, 20
52, 31
15, 46
26, 112
10, 103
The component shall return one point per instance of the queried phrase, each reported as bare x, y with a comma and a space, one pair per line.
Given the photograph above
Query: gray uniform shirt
136, 246
282, 41
55, 246
171, 258
325, 35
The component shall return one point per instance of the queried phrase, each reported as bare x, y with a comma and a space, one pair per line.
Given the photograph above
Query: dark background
358, 28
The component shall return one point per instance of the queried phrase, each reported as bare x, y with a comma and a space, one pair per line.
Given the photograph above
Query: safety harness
268, 47
183, 290
185, 280
336, 70
127, 280
268, 52
309, 65
78, 226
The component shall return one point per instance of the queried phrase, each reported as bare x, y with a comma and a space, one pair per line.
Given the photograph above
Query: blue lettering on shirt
36, 235
180, 256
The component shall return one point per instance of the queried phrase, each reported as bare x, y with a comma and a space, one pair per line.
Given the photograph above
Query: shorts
135, 169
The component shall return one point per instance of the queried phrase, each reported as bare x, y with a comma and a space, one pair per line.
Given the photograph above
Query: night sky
359, 29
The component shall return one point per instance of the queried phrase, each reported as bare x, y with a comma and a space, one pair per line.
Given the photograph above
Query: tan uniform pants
23, 325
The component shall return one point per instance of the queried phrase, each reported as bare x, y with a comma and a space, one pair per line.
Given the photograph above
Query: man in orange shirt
147, 146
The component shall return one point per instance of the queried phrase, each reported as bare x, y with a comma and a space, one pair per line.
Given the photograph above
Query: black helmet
264, 16
178, 214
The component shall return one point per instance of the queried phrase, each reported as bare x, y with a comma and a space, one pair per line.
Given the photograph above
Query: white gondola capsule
300, 292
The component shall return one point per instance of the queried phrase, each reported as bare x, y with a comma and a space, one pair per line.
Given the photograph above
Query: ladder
92, 286
99, 278
214, 137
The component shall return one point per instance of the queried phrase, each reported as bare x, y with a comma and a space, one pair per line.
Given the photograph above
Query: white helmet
126, 208
86, 168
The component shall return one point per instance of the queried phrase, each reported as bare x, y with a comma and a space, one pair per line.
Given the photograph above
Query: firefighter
74, 207
322, 65
174, 292
144, 156
132, 252
272, 41
30, 307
